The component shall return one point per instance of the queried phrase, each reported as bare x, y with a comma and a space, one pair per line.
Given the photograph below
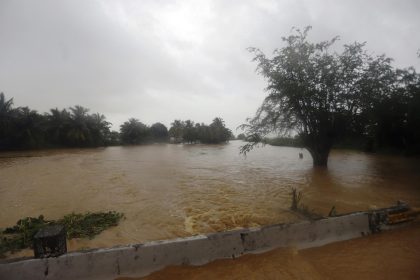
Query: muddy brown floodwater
169, 191
388, 255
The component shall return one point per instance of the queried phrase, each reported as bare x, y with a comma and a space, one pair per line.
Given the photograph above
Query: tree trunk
320, 158
319, 147
319, 153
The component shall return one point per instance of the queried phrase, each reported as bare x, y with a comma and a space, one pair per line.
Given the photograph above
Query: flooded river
388, 255
168, 191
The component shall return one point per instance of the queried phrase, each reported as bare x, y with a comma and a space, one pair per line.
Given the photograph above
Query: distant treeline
187, 131
395, 129
284, 141
23, 128
276, 141
135, 132
363, 143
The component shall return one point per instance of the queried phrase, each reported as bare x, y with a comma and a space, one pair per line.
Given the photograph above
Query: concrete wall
142, 259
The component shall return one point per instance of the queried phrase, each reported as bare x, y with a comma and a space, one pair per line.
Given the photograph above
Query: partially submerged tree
133, 132
241, 136
318, 93
187, 131
177, 130
159, 132
219, 132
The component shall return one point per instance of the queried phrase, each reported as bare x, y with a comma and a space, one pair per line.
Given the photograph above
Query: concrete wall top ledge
142, 259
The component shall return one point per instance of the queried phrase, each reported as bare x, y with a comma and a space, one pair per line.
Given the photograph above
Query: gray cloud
161, 60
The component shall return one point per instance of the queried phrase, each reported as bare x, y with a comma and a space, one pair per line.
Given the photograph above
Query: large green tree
159, 132
190, 134
317, 92
133, 132
219, 132
177, 130
394, 120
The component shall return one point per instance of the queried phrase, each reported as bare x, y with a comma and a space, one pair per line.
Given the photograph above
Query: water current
168, 191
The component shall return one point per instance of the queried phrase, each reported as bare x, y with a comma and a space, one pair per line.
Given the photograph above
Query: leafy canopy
316, 92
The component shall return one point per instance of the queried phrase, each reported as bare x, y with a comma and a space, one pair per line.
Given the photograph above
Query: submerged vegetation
190, 132
90, 224
330, 98
298, 207
135, 132
284, 141
85, 225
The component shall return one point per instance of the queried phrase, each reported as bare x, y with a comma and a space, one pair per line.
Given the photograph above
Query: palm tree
99, 128
5, 106
6, 111
6, 119
29, 132
58, 124
79, 133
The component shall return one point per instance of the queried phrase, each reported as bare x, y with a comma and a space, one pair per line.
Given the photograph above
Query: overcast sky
162, 60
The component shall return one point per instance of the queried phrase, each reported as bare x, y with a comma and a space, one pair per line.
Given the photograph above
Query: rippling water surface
169, 191
389, 255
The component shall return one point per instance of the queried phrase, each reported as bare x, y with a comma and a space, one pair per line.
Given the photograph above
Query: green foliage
395, 119
177, 130
85, 225
323, 95
241, 136
7, 115
187, 131
284, 141
90, 224
23, 128
134, 132
21, 235
113, 139
28, 127
218, 132
159, 132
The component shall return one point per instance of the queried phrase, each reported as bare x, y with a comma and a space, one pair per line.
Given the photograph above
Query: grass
87, 225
